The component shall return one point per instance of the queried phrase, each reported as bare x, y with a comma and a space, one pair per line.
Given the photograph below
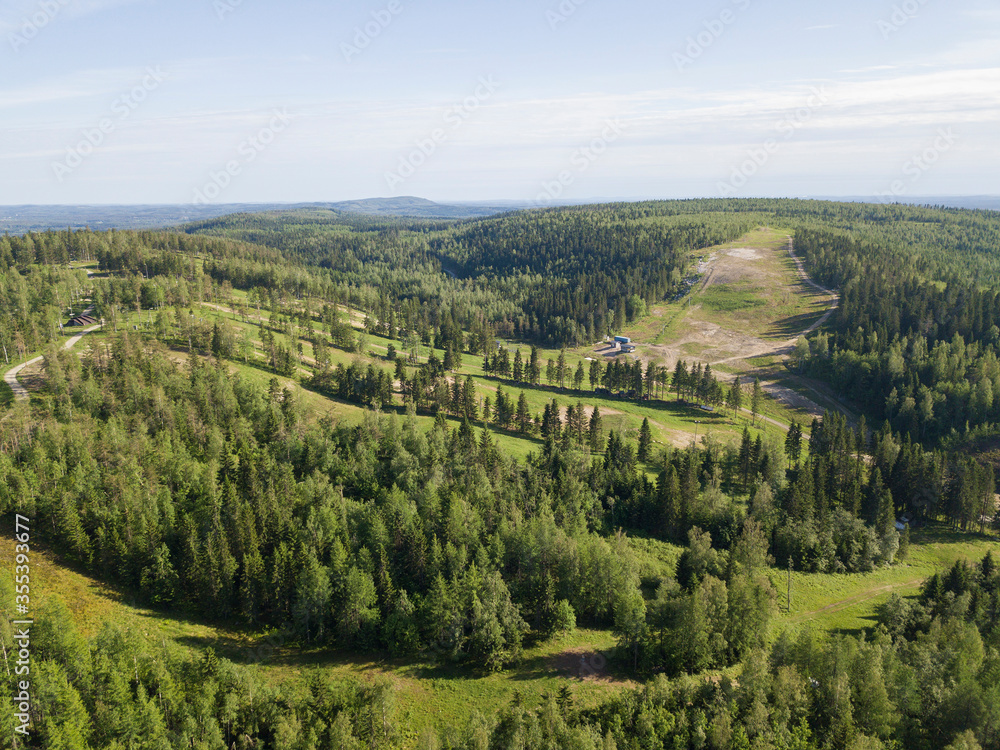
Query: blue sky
150, 101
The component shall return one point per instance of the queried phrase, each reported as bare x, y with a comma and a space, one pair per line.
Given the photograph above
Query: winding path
834, 297
10, 377
862, 596
786, 346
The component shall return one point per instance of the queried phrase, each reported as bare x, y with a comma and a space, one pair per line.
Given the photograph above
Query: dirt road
785, 347
719, 343
10, 377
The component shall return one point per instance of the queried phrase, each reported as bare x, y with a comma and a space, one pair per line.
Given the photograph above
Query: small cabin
628, 348
623, 340
83, 320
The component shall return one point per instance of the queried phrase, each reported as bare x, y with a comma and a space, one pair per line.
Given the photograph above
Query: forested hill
40, 218
915, 339
304, 424
561, 277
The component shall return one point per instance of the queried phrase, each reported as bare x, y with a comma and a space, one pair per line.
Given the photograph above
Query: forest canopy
178, 459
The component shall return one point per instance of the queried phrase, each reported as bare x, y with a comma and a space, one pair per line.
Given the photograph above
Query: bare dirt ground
738, 264
677, 438
585, 664
589, 411
719, 345
709, 342
715, 344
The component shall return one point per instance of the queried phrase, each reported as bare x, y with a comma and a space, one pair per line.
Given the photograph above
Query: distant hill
421, 208
982, 202
37, 218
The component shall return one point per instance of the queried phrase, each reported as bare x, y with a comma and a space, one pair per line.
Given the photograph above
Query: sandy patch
679, 438
605, 412
709, 342
744, 253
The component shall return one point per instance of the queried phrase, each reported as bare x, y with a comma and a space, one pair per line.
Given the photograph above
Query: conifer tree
793, 441
595, 431
756, 400
645, 440
595, 373
680, 378
734, 399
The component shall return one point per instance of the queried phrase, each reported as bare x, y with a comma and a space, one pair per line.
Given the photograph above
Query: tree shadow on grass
871, 623
934, 532
279, 649
795, 324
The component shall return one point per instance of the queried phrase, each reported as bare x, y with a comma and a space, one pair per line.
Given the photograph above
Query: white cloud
75, 86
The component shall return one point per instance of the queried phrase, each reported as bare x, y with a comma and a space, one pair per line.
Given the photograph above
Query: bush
563, 618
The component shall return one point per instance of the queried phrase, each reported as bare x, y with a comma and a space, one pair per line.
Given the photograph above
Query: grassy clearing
847, 602
732, 297
758, 294
434, 693
761, 296
657, 560
671, 423
439, 694
429, 693
666, 418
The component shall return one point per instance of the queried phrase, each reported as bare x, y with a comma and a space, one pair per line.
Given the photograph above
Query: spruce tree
596, 432
645, 440
756, 399
680, 378
734, 399
793, 441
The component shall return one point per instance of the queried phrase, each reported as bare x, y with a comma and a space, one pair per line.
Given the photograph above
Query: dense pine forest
181, 457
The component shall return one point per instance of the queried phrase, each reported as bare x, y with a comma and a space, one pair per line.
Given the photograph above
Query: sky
541, 101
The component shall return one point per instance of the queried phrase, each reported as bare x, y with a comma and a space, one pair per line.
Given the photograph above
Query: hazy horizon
129, 102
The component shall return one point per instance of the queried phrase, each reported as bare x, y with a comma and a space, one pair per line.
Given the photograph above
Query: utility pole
789, 583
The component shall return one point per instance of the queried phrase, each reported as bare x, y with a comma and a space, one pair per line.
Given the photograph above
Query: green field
847, 602
429, 692
732, 297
